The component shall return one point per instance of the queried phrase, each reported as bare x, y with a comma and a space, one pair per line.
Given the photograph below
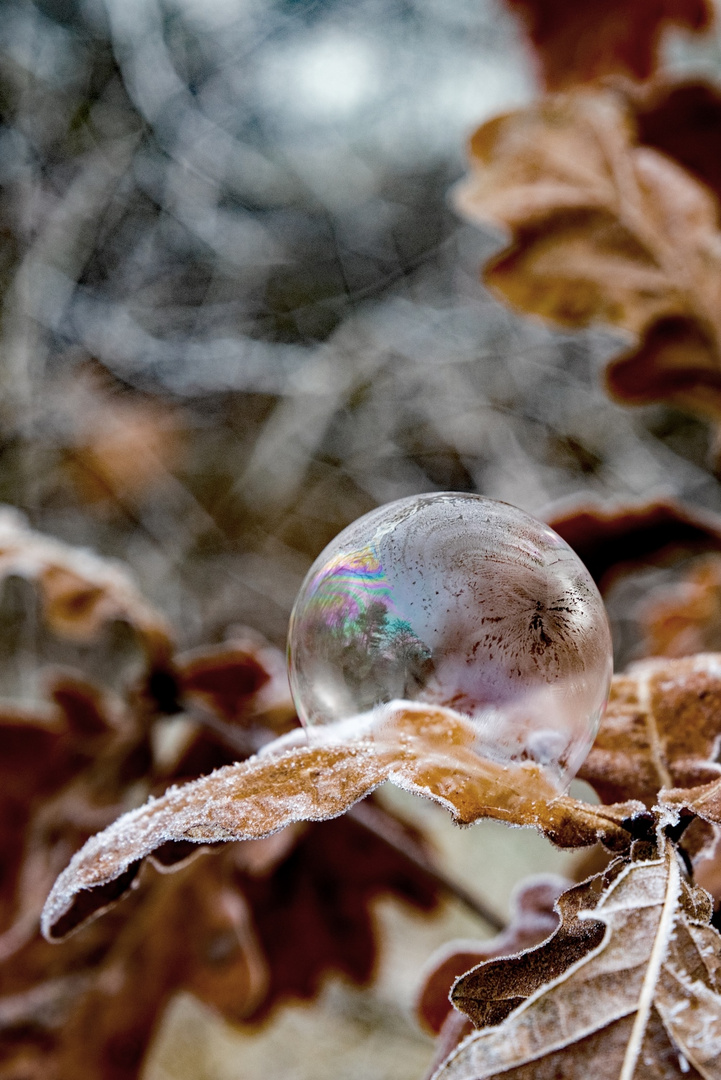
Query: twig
378, 823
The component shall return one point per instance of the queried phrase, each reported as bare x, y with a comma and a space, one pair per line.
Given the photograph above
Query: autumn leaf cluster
269, 918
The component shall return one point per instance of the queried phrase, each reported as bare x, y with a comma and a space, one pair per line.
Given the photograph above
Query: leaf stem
373, 819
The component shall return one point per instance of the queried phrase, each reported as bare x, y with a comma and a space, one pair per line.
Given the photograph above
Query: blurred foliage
237, 311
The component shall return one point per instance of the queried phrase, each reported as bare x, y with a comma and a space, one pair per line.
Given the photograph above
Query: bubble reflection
462, 602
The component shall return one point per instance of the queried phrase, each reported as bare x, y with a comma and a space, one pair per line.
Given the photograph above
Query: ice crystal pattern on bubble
462, 602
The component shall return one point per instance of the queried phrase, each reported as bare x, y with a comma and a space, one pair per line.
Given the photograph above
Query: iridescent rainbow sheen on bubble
348, 584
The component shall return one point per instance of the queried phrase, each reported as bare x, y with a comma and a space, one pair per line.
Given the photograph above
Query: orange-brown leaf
428, 751
605, 230
661, 729
266, 922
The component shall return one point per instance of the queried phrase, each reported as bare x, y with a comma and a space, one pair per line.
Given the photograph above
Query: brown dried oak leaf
661, 729
424, 750
80, 592
605, 230
613, 539
577, 43
533, 919
628, 986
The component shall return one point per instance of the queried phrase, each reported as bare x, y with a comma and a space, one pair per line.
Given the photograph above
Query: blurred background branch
238, 311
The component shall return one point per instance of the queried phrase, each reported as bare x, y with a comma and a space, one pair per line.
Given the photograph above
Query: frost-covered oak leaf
627, 986
424, 750
661, 729
533, 919
704, 801
605, 230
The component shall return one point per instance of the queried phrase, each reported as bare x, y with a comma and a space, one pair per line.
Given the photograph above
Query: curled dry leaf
605, 230
80, 592
427, 751
577, 43
533, 919
683, 120
270, 919
612, 539
627, 986
661, 729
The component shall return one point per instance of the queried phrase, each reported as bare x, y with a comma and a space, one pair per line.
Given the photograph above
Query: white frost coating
655, 961
428, 751
638, 947
289, 781
249, 800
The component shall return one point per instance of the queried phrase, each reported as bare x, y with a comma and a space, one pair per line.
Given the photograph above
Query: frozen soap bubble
463, 602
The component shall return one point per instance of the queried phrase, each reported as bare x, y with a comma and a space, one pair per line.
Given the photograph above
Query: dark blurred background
239, 310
